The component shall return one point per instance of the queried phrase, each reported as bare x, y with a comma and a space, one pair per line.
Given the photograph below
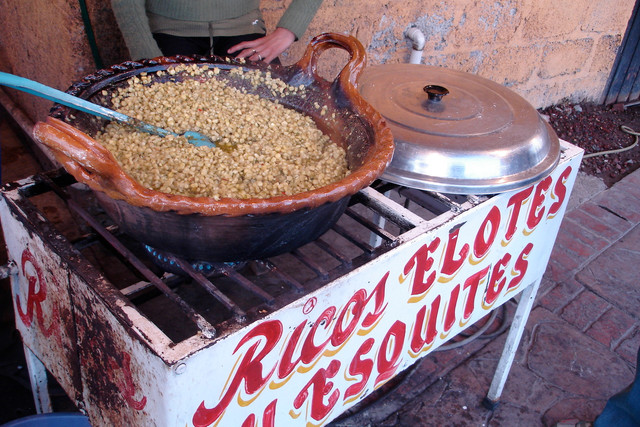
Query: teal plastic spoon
63, 98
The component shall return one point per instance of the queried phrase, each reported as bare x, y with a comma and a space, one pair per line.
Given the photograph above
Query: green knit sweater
133, 18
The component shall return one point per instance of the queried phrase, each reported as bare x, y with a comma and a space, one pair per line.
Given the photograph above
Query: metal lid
456, 132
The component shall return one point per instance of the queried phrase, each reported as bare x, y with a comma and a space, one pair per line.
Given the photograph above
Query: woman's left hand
266, 48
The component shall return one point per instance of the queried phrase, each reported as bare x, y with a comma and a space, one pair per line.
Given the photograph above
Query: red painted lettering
268, 417
287, 364
340, 332
392, 347
422, 262
487, 233
516, 201
250, 421
521, 266
450, 264
125, 382
472, 284
35, 298
342, 328
378, 295
250, 370
425, 321
560, 191
320, 388
450, 311
310, 350
536, 211
497, 281
360, 367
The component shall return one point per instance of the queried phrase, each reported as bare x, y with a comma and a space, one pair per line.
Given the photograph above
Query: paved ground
579, 346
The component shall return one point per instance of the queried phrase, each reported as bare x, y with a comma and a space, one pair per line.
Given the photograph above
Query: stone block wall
545, 50
46, 41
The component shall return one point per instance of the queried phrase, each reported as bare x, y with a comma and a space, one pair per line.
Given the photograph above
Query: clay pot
201, 228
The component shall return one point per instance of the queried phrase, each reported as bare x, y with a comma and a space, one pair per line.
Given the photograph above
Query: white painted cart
308, 343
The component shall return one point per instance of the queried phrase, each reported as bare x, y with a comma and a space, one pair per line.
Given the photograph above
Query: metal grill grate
183, 297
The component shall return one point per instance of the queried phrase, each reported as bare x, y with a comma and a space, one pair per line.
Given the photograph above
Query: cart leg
38, 378
520, 318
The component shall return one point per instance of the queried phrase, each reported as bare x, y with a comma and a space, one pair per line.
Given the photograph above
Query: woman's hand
266, 48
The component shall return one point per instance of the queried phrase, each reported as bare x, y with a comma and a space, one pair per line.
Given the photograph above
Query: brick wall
544, 50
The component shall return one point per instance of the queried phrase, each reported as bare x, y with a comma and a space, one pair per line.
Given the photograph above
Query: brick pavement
579, 346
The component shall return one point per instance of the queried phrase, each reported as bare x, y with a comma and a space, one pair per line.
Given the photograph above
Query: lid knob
435, 92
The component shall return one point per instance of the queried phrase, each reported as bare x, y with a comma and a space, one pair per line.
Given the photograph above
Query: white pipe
417, 44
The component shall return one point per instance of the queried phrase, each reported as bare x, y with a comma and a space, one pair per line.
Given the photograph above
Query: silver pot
457, 132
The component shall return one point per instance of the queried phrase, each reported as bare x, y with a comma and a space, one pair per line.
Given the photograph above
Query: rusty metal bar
290, 281
238, 313
333, 252
246, 283
370, 225
207, 329
432, 201
353, 239
317, 268
90, 239
379, 203
424, 200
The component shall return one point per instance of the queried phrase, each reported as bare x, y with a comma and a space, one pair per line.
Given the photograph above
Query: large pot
229, 229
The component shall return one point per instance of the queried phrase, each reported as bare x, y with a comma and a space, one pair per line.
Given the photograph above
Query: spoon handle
63, 98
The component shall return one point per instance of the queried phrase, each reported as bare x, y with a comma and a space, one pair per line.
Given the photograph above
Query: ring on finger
259, 57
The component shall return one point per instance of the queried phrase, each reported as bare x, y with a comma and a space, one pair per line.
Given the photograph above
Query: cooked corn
263, 149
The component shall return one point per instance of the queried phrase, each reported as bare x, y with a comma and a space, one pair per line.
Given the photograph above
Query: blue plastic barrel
59, 419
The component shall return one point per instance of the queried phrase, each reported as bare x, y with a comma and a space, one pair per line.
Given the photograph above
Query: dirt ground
597, 128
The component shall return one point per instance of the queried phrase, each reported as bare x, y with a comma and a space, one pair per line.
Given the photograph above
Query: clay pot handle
85, 158
350, 72
64, 139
